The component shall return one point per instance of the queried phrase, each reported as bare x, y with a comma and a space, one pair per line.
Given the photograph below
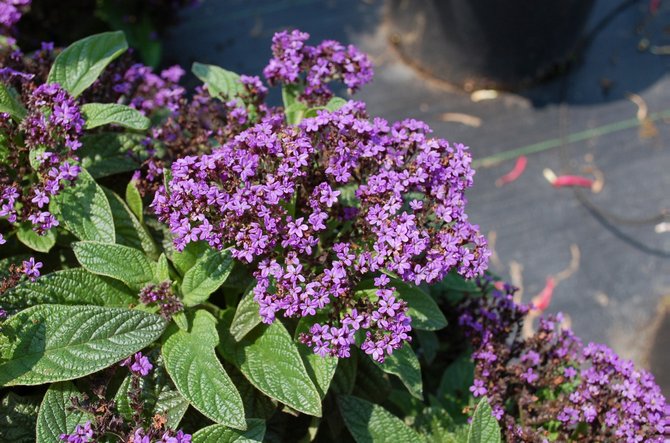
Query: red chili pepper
543, 299
515, 173
572, 180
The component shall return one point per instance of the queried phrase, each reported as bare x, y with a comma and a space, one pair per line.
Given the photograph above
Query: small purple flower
81, 434
31, 268
138, 364
478, 389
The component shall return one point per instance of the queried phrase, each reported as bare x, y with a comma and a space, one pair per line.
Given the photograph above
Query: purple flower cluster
163, 297
142, 436
278, 194
41, 159
10, 13
321, 64
138, 364
613, 397
81, 434
147, 91
553, 381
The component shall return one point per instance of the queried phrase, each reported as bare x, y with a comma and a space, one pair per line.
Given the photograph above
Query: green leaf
405, 365
453, 392
134, 200
335, 103
18, 418
130, 231
484, 428
246, 315
192, 363
107, 153
69, 287
423, 310
371, 382
100, 114
85, 211
120, 262
186, 259
289, 95
162, 269
221, 83
428, 345
81, 63
221, 434
57, 342
206, 276
10, 103
36, 242
345, 375
270, 360
370, 423
54, 417
320, 369
158, 393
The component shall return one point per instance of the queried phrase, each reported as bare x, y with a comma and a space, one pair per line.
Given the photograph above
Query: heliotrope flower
323, 205
138, 364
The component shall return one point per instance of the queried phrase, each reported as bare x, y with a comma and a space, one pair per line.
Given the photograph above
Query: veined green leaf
206, 276
192, 363
51, 343
134, 200
186, 259
484, 428
221, 434
221, 83
405, 365
107, 153
85, 211
69, 287
246, 315
18, 418
371, 423
99, 114
36, 242
120, 262
81, 63
54, 416
269, 359
10, 103
129, 230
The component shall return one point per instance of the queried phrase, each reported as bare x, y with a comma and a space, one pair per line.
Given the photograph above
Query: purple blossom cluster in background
29, 269
41, 154
342, 196
294, 62
162, 296
561, 388
86, 434
10, 13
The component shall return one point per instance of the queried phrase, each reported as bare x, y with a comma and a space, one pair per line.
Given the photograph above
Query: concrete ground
608, 118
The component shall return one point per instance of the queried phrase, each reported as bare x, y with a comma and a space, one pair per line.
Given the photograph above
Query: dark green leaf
81, 63
85, 211
370, 423
120, 262
320, 369
206, 276
221, 434
100, 114
109, 153
185, 259
134, 200
484, 428
405, 365
18, 418
246, 315
191, 361
269, 359
69, 287
36, 242
54, 417
130, 231
10, 103
220, 83
57, 342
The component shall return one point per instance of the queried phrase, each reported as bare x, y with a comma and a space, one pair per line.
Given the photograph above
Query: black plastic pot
477, 44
